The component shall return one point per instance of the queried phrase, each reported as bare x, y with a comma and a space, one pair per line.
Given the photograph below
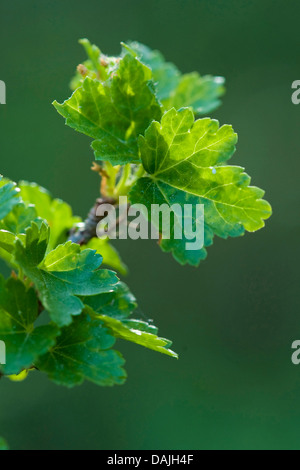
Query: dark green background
234, 319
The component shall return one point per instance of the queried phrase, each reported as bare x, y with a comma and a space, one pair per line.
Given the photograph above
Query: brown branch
83, 234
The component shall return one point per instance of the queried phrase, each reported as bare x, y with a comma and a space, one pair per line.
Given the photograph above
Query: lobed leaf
62, 275
149, 192
83, 352
166, 75
56, 212
114, 112
187, 164
191, 156
13, 227
19, 219
114, 310
202, 94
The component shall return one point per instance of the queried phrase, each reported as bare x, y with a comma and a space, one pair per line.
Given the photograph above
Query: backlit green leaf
57, 213
97, 65
149, 192
114, 112
202, 94
19, 219
8, 197
7, 246
64, 274
186, 161
191, 156
166, 76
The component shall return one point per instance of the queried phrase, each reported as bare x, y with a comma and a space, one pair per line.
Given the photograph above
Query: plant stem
111, 179
83, 233
123, 186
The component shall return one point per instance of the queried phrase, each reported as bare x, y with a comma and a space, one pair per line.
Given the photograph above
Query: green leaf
202, 94
186, 162
114, 112
135, 334
13, 226
64, 274
18, 313
93, 52
7, 240
3, 444
19, 219
83, 352
114, 309
109, 254
97, 66
7, 246
149, 192
90, 67
165, 74
9, 197
57, 213
191, 156
118, 304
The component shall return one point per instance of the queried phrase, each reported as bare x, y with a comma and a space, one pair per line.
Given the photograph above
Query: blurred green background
234, 319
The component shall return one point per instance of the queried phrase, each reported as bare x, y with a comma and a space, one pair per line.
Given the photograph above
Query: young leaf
202, 94
191, 156
114, 112
83, 352
14, 225
97, 66
18, 312
8, 197
61, 276
19, 219
93, 52
57, 213
186, 161
7, 246
165, 75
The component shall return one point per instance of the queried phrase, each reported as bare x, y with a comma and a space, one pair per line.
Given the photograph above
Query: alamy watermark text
166, 222
2, 353
2, 92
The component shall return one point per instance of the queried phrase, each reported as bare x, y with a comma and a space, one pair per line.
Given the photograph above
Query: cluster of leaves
60, 312
140, 112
